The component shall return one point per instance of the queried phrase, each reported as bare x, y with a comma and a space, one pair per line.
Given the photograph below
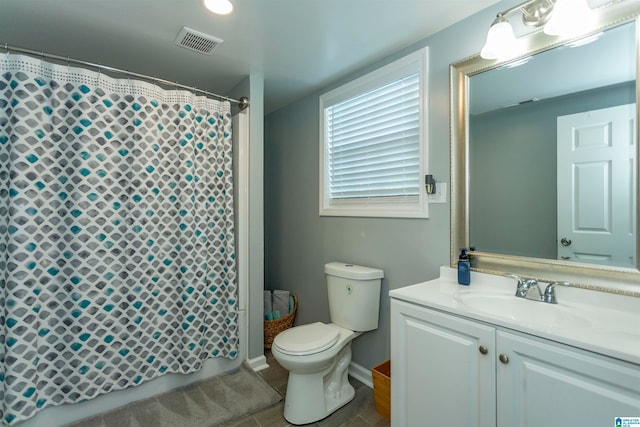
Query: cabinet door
550, 384
440, 375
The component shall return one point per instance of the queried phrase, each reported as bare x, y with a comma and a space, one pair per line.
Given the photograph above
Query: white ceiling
298, 46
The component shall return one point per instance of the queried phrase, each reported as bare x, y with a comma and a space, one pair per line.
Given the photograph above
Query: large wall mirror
545, 154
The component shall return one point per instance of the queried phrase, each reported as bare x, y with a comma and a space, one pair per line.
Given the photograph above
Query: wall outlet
440, 196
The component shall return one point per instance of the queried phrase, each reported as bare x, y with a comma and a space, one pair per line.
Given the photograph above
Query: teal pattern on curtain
117, 258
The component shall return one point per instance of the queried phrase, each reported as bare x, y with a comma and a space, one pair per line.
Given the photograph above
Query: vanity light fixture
220, 7
565, 18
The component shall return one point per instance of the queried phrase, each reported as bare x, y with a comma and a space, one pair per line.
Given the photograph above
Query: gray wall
298, 242
514, 149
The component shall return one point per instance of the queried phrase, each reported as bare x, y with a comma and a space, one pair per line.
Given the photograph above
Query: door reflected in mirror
552, 154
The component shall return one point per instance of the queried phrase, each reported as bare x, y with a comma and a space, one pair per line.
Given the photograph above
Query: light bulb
570, 18
220, 7
501, 42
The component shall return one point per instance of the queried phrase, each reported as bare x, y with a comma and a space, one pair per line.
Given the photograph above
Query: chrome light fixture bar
559, 18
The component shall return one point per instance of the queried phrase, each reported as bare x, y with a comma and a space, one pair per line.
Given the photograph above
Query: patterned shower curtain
117, 259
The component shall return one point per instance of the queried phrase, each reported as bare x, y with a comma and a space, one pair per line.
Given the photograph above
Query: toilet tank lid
351, 271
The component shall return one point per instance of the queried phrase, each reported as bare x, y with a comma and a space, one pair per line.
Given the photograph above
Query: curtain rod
243, 102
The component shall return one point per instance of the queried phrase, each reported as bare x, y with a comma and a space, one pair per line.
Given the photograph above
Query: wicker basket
381, 375
274, 327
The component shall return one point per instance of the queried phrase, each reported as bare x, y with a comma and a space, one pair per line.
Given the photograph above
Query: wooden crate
381, 375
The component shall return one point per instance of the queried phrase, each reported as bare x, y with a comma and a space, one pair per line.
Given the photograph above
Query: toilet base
312, 397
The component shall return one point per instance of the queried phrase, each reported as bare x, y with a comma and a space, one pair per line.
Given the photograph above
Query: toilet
318, 355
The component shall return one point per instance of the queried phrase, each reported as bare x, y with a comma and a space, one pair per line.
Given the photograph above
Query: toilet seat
306, 339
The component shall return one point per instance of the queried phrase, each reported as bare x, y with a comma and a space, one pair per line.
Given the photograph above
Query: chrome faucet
550, 292
527, 289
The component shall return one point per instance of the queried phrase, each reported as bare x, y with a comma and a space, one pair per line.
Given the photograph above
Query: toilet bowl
318, 355
317, 373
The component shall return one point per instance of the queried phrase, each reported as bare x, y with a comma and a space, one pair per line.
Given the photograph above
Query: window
373, 143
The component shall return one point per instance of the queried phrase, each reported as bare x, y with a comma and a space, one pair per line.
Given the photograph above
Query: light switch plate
440, 195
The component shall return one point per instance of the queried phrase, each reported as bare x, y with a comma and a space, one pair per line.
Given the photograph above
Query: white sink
520, 310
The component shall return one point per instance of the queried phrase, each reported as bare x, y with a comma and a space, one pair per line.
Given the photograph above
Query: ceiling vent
197, 41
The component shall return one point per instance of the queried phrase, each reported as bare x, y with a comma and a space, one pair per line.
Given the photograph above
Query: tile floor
360, 412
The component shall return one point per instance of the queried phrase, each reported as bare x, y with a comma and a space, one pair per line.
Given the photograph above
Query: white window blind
374, 142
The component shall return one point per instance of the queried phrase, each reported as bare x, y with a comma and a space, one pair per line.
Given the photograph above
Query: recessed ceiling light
221, 7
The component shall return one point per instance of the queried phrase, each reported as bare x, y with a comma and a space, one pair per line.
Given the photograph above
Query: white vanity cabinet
439, 375
544, 383
451, 370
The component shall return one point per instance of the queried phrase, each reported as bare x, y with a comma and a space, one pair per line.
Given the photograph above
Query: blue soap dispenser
464, 267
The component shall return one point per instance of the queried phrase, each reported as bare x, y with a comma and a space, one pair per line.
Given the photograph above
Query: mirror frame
601, 278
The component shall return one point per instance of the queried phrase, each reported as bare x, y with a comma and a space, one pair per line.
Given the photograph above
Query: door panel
544, 384
596, 186
439, 374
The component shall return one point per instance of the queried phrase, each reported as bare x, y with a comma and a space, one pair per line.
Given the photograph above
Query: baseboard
361, 374
258, 363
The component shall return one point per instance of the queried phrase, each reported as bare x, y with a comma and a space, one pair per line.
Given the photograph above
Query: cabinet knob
483, 349
503, 358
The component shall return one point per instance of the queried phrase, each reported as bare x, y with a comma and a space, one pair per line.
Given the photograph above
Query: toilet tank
354, 295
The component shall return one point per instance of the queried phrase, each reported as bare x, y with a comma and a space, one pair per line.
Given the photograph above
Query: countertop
603, 323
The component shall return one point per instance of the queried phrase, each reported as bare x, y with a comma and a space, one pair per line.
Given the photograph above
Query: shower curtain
117, 259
